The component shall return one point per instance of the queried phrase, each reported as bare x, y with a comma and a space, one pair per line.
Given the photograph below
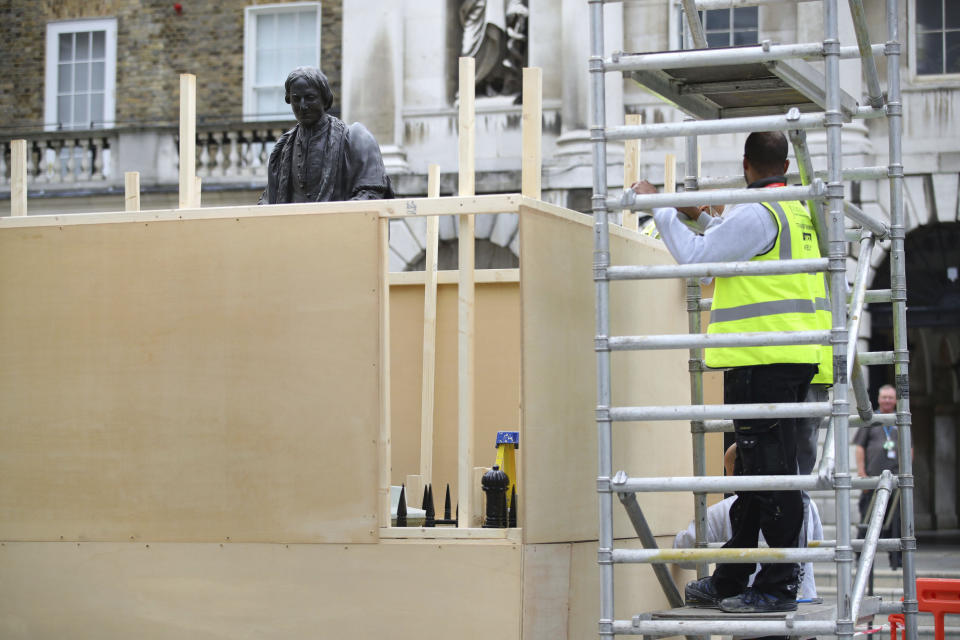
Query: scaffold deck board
739, 90
805, 611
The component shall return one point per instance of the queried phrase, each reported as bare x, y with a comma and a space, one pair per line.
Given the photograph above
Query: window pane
270, 103
97, 75
718, 19
744, 37
953, 15
99, 44
745, 18
96, 109
83, 46
930, 53
953, 52
306, 56
81, 76
286, 26
80, 114
307, 29
64, 109
64, 78
66, 47
721, 39
266, 31
267, 67
929, 14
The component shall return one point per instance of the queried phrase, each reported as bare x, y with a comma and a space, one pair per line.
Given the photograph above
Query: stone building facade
155, 44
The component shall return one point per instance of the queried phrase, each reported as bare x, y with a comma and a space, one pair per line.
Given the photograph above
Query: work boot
753, 601
702, 593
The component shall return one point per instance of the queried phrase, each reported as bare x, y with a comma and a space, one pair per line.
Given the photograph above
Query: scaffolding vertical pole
691, 183
838, 308
601, 260
898, 289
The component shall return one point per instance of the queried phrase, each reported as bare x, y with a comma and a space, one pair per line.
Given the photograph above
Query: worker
762, 374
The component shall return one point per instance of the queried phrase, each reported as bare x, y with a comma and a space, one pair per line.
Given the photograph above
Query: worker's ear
746, 163
786, 166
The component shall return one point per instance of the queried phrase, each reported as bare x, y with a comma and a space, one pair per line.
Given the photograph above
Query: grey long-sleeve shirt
744, 231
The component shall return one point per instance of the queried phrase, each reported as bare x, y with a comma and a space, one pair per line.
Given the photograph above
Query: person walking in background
876, 450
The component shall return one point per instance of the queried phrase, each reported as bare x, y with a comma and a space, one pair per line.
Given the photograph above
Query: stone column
373, 74
573, 146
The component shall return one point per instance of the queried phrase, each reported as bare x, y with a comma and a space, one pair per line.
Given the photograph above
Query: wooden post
18, 178
383, 449
465, 290
188, 139
631, 169
670, 173
532, 132
131, 191
196, 192
427, 386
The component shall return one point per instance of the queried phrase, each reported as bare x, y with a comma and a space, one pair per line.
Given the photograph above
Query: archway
933, 321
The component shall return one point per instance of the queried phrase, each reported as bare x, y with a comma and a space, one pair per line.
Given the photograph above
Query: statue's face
306, 101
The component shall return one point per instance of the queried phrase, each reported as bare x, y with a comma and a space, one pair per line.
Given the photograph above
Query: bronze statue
322, 158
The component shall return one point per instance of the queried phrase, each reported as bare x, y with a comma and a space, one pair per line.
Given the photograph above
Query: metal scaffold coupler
606, 627
905, 481
845, 627
908, 544
603, 485
695, 364
601, 343
830, 47
605, 556
835, 190
891, 48
596, 63
603, 414
894, 170
597, 134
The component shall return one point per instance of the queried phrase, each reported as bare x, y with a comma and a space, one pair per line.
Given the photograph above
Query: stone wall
154, 45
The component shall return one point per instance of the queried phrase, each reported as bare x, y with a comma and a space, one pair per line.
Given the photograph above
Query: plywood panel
637, 589
497, 377
190, 380
559, 384
396, 591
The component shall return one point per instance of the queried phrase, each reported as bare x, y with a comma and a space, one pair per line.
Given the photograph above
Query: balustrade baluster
71, 163
233, 155
4, 175
98, 146
220, 157
203, 155
85, 163
42, 162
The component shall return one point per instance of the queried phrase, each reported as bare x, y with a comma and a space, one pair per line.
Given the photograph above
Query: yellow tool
507, 444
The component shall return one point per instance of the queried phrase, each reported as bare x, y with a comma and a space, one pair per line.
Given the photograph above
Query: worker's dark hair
766, 151
315, 77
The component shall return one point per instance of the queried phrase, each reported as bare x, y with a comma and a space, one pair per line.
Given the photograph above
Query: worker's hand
643, 188
715, 210
862, 472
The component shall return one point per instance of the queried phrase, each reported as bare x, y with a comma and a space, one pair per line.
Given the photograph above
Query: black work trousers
765, 446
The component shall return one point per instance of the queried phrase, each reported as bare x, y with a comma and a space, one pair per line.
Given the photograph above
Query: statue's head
308, 93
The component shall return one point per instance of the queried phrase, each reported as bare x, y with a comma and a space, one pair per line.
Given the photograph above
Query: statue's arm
366, 174
269, 195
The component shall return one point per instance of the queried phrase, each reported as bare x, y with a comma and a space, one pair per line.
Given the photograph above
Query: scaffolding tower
742, 89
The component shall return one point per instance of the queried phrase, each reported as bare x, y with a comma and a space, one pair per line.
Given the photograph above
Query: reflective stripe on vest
781, 302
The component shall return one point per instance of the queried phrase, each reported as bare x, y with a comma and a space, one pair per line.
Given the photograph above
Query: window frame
944, 79
54, 29
250, 16
683, 36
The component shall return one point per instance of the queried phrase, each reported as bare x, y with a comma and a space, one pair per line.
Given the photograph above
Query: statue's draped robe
332, 162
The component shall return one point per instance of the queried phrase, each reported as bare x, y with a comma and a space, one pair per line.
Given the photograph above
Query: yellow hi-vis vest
772, 302
824, 323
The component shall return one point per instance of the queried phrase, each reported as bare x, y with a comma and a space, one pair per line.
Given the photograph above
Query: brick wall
154, 46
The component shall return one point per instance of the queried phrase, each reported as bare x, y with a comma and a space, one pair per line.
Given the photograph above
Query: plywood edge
539, 206
486, 204
451, 534
482, 276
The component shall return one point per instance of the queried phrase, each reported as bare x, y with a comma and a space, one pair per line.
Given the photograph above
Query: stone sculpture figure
495, 35
322, 158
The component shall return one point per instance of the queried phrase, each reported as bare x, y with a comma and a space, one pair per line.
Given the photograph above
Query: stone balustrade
97, 159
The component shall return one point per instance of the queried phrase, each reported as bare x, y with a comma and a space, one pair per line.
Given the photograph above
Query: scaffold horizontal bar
883, 544
861, 173
725, 626
716, 340
791, 120
716, 269
726, 426
877, 295
732, 411
873, 358
621, 483
688, 59
730, 555
706, 5
631, 200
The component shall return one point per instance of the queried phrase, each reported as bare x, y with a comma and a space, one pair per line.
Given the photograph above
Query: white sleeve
744, 231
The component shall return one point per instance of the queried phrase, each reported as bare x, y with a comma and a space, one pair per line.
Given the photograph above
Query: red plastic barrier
938, 596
